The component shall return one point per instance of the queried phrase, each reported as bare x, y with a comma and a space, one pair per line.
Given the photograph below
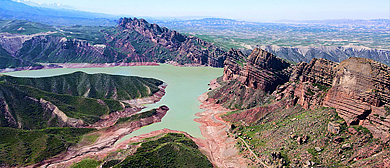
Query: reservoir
185, 84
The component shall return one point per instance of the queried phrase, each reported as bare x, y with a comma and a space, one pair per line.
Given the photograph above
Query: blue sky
248, 10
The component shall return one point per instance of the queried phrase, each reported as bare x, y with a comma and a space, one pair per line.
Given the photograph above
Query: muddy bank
217, 145
136, 106
156, 97
92, 65
104, 144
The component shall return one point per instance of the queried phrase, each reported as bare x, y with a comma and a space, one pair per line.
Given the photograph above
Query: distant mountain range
45, 5
202, 41
133, 40
12, 10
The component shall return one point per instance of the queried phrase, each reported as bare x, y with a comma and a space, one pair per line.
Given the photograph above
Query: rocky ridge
357, 88
292, 124
132, 40
163, 44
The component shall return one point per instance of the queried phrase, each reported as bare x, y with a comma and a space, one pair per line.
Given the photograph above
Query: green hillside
99, 86
78, 95
22, 147
164, 150
23, 27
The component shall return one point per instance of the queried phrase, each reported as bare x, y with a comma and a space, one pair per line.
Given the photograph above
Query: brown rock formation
308, 82
232, 68
150, 42
358, 88
264, 71
360, 92
319, 71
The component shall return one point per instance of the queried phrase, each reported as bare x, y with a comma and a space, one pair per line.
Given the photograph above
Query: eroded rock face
263, 70
308, 82
332, 53
358, 88
62, 118
319, 71
360, 91
250, 78
232, 67
6, 114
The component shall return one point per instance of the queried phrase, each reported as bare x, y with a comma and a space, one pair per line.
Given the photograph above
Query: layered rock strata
358, 88
360, 93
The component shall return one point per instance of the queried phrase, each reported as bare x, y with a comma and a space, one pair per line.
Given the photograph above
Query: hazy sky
249, 10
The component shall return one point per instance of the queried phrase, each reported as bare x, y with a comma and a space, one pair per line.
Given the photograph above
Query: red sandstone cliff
358, 88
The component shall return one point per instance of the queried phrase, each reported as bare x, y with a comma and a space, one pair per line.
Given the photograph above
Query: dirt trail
217, 145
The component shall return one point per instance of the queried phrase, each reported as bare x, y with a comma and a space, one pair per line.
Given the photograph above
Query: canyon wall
358, 88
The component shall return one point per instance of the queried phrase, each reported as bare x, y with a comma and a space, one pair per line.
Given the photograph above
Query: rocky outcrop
263, 70
308, 82
360, 92
62, 119
5, 114
249, 79
358, 88
234, 65
319, 71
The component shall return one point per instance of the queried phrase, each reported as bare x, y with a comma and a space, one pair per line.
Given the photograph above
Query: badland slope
315, 110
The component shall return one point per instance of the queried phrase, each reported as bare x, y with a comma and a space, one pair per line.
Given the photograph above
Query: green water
185, 84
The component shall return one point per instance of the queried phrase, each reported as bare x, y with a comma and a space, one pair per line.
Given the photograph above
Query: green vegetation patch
25, 147
298, 134
170, 150
79, 95
86, 163
23, 27
137, 117
92, 34
99, 86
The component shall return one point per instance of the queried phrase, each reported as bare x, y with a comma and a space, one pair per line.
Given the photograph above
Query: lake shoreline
185, 85
77, 65
217, 145
104, 144
92, 65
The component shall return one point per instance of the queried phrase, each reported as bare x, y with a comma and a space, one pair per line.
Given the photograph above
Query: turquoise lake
185, 84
